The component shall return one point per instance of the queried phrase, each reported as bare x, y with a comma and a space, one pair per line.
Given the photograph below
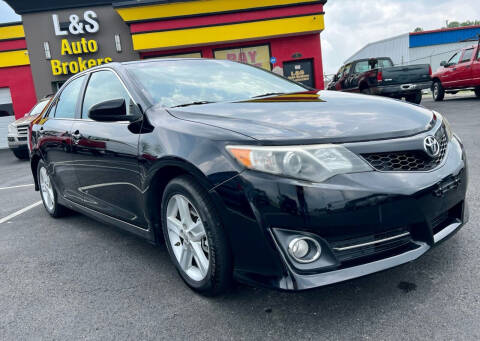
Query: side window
67, 102
467, 56
454, 59
104, 86
340, 72
346, 71
361, 66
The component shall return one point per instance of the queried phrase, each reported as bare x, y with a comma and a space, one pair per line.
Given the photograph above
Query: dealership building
59, 38
424, 47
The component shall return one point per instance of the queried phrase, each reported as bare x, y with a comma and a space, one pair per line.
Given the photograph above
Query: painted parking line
11, 187
23, 210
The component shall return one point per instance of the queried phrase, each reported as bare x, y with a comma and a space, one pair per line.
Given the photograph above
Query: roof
444, 36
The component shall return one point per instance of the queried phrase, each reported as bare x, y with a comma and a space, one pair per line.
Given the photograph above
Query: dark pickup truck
378, 76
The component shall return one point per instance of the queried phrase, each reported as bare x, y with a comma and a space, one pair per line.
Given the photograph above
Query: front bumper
345, 207
400, 89
17, 142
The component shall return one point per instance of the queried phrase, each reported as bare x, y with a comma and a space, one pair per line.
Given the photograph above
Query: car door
464, 68
105, 154
55, 139
449, 75
475, 81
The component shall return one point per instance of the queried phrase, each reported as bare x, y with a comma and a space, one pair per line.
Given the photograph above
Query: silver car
18, 130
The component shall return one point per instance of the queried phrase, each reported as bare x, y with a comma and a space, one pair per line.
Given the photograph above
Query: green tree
418, 29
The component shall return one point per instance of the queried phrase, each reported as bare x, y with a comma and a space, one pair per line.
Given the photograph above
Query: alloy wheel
187, 237
46, 189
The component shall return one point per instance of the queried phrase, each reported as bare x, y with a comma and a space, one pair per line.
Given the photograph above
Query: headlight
12, 129
446, 124
312, 163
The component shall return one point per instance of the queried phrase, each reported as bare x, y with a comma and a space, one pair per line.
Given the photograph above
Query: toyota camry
244, 175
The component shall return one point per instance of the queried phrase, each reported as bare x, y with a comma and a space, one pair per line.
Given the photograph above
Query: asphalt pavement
75, 278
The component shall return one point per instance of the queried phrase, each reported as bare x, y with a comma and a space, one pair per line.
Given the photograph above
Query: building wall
434, 54
15, 71
444, 36
39, 28
397, 48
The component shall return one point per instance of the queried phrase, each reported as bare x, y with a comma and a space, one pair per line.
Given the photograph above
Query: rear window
366, 65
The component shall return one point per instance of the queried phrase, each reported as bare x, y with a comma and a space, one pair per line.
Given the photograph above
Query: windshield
178, 82
38, 108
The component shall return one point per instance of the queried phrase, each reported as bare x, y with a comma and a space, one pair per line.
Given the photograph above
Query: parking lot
77, 278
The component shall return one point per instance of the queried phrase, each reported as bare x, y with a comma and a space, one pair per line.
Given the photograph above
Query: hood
24, 120
324, 116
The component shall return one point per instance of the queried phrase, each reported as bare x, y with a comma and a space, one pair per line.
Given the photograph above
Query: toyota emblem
431, 146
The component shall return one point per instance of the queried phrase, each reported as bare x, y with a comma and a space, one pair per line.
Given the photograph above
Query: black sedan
245, 175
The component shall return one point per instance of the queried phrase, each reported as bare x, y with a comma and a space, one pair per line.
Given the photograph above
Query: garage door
6, 108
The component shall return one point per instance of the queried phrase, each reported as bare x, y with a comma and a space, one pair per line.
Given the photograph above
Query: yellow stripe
11, 32
14, 58
178, 9
221, 34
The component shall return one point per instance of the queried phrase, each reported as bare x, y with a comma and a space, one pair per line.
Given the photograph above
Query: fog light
304, 249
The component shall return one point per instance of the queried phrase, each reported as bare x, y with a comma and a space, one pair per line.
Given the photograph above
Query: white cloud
351, 24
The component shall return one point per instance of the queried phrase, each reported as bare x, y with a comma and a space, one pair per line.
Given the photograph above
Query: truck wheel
21, 154
438, 92
477, 91
414, 98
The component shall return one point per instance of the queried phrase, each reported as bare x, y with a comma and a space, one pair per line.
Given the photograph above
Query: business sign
79, 49
300, 71
254, 55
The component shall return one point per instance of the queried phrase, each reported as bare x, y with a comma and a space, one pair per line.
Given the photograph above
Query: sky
351, 24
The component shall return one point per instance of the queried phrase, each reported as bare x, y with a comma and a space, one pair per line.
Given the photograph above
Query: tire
438, 92
366, 91
197, 247
477, 92
21, 154
48, 192
414, 98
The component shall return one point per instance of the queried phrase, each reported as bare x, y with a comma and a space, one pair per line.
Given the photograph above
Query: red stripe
224, 18
13, 45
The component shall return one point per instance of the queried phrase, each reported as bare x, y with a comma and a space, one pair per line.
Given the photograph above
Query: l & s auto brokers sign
80, 48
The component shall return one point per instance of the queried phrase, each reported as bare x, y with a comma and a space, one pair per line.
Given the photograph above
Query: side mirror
443, 63
111, 111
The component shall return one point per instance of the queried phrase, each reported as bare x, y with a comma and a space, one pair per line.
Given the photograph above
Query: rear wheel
414, 98
366, 91
21, 154
477, 91
195, 238
438, 92
48, 193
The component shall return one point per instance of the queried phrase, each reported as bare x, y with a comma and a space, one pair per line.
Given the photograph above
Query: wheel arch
159, 175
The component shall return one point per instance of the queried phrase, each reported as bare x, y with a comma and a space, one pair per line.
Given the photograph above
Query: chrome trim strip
371, 243
446, 231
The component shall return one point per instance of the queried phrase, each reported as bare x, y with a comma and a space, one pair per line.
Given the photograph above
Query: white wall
4, 121
434, 54
397, 48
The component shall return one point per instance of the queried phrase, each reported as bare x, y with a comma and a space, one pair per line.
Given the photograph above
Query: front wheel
414, 98
48, 192
438, 92
195, 238
21, 154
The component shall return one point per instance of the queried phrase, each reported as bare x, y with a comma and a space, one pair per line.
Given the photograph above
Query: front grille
370, 245
22, 130
410, 160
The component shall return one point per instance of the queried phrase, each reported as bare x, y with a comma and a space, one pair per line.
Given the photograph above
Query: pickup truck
378, 76
461, 71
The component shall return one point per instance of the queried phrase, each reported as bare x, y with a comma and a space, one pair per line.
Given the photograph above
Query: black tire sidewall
55, 212
440, 92
186, 187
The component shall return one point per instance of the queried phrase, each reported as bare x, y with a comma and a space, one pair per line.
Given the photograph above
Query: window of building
253, 55
67, 102
104, 86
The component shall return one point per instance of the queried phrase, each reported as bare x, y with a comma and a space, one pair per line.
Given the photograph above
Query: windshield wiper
192, 103
269, 94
